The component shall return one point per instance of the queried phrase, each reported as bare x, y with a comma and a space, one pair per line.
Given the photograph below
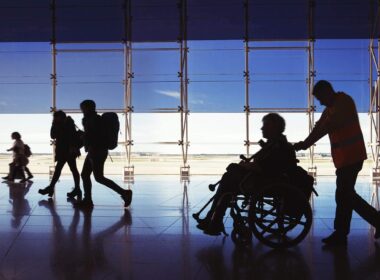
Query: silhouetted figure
95, 143
341, 122
64, 133
276, 157
20, 160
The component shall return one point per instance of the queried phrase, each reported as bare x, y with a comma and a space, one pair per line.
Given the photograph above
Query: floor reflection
20, 205
252, 263
46, 239
78, 253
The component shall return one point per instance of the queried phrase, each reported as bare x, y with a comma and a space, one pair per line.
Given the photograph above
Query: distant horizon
209, 133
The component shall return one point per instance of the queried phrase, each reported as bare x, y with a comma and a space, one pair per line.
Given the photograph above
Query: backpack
302, 181
78, 135
27, 151
111, 126
78, 138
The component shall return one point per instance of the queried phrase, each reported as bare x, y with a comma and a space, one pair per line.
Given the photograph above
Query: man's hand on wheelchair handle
300, 146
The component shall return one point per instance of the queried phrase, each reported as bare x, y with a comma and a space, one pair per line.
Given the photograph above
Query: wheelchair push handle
213, 186
242, 157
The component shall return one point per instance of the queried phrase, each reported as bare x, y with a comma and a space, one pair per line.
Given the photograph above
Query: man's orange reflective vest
347, 142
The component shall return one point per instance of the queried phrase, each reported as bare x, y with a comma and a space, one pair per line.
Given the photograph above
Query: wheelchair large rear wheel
280, 216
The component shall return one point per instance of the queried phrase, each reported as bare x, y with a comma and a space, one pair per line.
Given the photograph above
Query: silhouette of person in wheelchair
275, 158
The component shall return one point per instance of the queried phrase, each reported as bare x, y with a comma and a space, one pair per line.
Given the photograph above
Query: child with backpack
100, 135
21, 152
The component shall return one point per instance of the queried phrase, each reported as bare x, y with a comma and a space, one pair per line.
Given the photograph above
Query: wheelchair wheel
280, 216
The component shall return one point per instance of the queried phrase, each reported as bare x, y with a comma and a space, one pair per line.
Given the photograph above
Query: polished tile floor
157, 238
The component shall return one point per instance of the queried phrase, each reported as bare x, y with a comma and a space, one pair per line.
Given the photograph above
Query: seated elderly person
275, 157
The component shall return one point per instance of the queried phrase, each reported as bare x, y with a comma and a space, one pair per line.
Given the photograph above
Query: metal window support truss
183, 108
374, 109
311, 73
128, 109
127, 82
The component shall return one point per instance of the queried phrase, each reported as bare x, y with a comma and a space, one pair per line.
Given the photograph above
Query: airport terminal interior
190, 82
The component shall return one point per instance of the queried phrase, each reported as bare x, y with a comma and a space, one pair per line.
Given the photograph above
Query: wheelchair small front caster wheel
241, 236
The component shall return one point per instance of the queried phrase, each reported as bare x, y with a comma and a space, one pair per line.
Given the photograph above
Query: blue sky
278, 78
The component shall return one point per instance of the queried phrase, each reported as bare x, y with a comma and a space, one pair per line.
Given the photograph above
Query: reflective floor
157, 238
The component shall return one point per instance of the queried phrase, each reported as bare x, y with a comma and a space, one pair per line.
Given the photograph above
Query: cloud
197, 101
169, 93
177, 95
3, 103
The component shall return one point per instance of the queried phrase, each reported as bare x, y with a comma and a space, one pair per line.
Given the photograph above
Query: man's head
324, 92
273, 126
88, 106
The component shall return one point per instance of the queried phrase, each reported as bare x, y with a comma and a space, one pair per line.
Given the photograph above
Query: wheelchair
278, 213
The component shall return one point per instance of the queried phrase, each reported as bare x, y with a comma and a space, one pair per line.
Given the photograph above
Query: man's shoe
5, 178
126, 195
30, 177
335, 239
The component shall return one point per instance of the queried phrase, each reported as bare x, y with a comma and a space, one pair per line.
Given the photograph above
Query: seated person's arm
279, 160
253, 166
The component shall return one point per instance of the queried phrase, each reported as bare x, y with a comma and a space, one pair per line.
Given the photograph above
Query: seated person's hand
300, 146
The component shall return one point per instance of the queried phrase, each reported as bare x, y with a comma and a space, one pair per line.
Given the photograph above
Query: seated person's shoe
203, 224
5, 178
75, 192
30, 177
335, 239
215, 229
86, 203
126, 195
48, 190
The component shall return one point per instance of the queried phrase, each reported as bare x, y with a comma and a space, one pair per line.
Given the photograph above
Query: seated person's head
59, 116
88, 106
273, 126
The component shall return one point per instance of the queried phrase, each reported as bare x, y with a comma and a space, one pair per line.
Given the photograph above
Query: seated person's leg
229, 186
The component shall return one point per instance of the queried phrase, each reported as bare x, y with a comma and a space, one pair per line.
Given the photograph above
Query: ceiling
158, 20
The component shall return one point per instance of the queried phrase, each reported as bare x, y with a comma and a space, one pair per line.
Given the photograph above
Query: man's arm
320, 129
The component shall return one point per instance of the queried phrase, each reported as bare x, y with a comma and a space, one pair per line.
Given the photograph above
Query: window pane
25, 78
92, 71
345, 64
